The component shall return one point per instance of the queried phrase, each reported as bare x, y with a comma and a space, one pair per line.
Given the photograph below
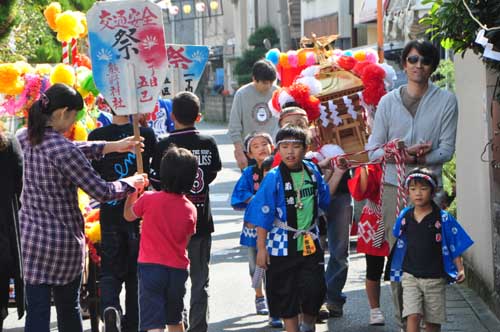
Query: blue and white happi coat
454, 241
269, 204
245, 188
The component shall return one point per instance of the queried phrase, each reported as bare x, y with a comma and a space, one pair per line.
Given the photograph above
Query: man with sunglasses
425, 118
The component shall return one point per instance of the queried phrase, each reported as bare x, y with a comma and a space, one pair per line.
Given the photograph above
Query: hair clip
44, 101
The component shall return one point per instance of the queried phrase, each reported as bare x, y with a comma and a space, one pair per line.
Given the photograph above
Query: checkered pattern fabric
277, 242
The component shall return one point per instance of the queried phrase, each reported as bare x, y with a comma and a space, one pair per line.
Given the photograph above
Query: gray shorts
426, 297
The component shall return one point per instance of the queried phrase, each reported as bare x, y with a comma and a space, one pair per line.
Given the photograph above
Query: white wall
473, 175
318, 8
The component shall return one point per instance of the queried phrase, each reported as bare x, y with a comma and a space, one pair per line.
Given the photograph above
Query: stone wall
217, 108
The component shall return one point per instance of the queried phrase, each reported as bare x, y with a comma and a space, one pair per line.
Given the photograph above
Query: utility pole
285, 39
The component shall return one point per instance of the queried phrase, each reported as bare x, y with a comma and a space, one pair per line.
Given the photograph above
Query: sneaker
323, 313
275, 322
261, 306
307, 328
376, 317
335, 310
111, 320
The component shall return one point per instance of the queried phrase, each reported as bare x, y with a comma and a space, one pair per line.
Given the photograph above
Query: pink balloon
293, 58
310, 59
371, 57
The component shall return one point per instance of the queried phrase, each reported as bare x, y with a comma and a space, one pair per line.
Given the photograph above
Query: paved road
231, 301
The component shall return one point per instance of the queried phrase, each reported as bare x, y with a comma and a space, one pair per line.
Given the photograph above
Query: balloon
310, 59
273, 55
293, 59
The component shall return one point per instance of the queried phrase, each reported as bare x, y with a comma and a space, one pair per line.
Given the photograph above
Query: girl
169, 220
258, 146
52, 227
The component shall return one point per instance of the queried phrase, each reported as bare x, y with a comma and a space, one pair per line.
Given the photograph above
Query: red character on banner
118, 103
145, 97
175, 57
143, 82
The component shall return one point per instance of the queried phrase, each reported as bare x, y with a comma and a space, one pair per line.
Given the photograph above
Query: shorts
161, 295
425, 297
296, 284
374, 267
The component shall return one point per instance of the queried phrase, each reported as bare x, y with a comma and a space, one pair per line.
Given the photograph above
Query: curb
480, 309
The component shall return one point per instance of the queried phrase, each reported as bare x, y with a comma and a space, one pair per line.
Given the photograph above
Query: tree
243, 68
29, 38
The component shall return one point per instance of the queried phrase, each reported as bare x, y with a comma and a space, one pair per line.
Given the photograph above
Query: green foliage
8, 17
35, 42
444, 76
243, 67
450, 23
450, 183
256, 39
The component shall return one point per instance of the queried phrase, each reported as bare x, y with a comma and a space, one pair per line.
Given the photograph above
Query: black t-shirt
423, 257
205, 150
115, 166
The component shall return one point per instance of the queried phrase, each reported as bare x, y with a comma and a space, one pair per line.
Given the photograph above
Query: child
185, 112
120, 239
427, 253
366, 185
285, 210
169, 220
258, 146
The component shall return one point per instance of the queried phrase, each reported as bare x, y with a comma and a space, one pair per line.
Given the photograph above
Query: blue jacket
454, 241
268, 204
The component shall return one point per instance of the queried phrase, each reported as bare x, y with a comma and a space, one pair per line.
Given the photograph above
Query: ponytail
37, 121
57, 96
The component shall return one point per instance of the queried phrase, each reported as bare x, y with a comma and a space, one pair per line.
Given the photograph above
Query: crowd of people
295, 209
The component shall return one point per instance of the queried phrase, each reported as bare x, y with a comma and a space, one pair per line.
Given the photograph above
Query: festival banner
129, 58
186, 64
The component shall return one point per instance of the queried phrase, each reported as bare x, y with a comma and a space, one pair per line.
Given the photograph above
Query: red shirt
168, 220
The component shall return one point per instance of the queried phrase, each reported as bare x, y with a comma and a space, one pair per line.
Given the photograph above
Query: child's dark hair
186, 107
248, 139
263, 70
425, 48
57, 96
267, 164
292, 132
178, 170
422, 176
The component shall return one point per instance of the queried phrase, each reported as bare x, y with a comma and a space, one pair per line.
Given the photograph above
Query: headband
292, 110
421, 176
290, 141
265, 135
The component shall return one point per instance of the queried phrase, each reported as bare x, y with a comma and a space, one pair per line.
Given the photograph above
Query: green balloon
89, 85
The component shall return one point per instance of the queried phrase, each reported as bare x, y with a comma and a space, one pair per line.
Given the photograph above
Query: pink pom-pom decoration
310, 59
371, 57
293, 59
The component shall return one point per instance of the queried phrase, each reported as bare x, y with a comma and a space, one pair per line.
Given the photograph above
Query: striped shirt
52, 226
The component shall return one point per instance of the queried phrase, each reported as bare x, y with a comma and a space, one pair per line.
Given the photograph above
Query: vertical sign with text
128, 53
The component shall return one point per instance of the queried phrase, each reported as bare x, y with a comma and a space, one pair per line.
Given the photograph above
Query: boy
285, 209
185, 112
427, 253
258, 146
250, 111
120, 239
169, 220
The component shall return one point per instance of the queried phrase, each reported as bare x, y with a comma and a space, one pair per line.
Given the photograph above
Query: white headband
422, 176
290, 141
264, 135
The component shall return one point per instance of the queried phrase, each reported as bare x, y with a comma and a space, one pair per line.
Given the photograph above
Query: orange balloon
302, 57
284, 60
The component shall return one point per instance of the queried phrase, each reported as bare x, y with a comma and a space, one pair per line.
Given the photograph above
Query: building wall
319, 8
477, 193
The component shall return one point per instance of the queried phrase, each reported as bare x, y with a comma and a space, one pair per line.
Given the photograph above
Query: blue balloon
348, 53
273, 55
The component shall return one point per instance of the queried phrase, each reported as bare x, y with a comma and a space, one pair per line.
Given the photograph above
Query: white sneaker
376, 317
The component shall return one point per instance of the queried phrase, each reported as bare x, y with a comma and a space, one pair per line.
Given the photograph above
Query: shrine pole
380, 31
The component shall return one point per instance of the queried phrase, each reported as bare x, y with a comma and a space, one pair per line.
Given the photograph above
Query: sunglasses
413, 59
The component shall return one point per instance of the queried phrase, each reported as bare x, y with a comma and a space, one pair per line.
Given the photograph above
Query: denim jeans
67, 301
339, 216
199, 254
119, 265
